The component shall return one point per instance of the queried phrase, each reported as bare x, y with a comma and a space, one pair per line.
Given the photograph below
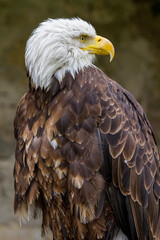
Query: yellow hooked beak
99, 46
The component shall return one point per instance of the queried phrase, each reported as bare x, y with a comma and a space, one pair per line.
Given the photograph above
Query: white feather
54, 48
54, 144
120, 236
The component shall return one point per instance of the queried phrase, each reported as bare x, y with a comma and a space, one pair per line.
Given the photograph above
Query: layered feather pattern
87, 157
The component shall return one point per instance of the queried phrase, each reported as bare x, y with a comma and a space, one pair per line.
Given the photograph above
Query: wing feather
135, 158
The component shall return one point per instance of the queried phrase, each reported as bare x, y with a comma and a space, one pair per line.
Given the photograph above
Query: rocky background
133, 26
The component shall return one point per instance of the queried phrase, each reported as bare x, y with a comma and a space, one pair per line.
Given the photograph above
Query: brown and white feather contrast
86, 156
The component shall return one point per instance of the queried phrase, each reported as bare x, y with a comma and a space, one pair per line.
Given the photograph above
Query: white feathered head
58, 46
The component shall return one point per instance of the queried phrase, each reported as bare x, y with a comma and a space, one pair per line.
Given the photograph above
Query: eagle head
58, 46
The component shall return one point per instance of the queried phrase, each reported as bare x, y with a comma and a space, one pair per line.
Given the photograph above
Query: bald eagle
86, 155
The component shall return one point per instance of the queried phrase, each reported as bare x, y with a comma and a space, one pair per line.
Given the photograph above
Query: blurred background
133, 26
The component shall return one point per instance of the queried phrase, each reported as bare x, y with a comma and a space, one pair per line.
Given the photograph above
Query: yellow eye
82, 38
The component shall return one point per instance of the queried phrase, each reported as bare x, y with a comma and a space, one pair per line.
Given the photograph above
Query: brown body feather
87, 157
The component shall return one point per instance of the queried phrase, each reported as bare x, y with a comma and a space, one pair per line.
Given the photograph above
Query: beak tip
111, 56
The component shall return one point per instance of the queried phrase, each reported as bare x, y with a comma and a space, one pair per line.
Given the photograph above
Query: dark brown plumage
87, 157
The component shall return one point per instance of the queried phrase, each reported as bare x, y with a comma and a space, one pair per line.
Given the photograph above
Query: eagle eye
82, 38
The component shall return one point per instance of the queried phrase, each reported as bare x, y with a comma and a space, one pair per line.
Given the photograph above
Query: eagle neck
68, 82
